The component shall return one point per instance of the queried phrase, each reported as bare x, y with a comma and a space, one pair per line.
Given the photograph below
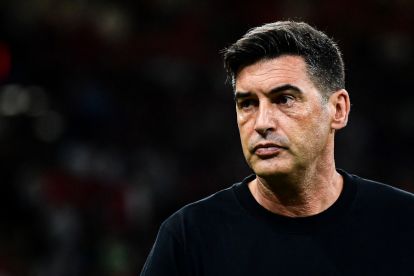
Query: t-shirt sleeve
167, 256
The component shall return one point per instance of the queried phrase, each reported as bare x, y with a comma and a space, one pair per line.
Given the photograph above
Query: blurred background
114, 114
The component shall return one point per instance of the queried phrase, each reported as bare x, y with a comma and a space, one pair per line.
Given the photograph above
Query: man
298, 214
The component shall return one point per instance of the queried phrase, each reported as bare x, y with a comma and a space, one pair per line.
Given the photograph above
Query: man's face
283, 121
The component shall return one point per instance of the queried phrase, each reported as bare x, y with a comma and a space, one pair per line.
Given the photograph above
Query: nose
264, 123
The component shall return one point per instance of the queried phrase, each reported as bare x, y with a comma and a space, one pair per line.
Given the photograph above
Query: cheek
243, 124
313, 132
245, 132
244, 135
304, 131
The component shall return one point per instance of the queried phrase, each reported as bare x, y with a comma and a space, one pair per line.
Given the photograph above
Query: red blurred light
5, 61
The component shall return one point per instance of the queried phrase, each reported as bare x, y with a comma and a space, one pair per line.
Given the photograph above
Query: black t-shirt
369, 230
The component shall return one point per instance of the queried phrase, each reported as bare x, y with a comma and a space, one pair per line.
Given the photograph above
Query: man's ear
340, 107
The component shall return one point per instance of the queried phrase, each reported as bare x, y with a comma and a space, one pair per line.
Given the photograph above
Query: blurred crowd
113, 114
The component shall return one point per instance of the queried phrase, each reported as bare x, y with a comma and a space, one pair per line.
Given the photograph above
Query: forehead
266, 74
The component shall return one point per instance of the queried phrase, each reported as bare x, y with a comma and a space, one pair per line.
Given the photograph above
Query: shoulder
203, 211
381, 193
383, 210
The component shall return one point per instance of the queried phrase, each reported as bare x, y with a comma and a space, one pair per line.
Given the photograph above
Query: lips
267, 150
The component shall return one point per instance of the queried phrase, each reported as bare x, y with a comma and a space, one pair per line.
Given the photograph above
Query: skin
287, 134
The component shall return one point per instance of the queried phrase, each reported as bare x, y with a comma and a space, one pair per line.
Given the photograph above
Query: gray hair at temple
321, 54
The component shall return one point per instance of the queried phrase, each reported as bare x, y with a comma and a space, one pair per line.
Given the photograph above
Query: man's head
322, 57
288, 80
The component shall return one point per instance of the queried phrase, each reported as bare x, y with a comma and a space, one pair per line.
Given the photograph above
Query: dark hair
322, 56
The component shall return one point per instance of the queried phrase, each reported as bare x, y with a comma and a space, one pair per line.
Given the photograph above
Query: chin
269, 168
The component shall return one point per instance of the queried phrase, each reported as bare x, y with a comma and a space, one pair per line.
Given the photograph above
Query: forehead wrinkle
280, 73
272, 77
287, 69
270, 70
286, 63
272, 73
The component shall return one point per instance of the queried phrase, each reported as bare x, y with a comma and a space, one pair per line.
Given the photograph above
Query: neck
302, 194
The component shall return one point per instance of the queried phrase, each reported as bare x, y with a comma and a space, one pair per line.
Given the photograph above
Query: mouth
267, 150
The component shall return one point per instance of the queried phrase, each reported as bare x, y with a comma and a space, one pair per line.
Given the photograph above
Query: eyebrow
241, 95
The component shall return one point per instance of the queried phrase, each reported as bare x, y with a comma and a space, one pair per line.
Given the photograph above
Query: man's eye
246, 103
285, 100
